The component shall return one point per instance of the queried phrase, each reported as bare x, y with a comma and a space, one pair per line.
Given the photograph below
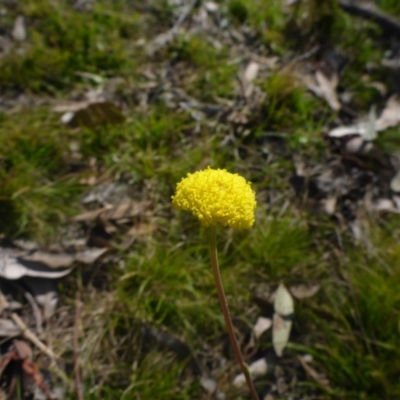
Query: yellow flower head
216, 196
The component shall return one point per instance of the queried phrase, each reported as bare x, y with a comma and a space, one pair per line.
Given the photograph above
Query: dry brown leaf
324, 87
395, 182
19, 30
303, 291
141, 229
127, 209
14, 267
90, 113
313, 374
257, 369
91, 215
8, 328
3, 302
52, 260
390, 115
262, 325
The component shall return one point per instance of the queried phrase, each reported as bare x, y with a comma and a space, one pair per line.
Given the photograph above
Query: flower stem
225, 311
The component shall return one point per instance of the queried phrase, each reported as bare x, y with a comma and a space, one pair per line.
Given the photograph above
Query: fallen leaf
257, 369
91, 113
8, 328
303, 291
45, 293
261, 326
313, 374
12, 267
52, 260
3, 302
59, 260
127, 209
19, 30
325, 87
282, 319
390, 116
89, 256
395, 182
141, 229
283, 303
386, 205
280, 333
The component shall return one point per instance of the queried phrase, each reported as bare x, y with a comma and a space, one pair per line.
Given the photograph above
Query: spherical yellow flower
216, 196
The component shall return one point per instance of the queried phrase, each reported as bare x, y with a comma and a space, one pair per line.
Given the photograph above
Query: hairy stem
225, 311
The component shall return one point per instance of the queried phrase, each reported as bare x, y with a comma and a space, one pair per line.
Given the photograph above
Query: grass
351, 327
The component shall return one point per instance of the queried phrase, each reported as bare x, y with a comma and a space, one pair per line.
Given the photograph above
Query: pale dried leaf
329, 205
370, 129
282, 319
141, 229
324, 87
280, 333
386, 205
91, 215
261, 326
127, 209
341, 131
91, 114
12, 267
257, 369
211, 7
45, 293
251, 71
283, 303
52, 260
211, 387
390, 116
395, 182
313, 374
19, 30
90, 255
303, 291
3, 302
8, 328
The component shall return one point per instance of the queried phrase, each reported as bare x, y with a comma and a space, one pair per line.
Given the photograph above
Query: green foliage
61, 42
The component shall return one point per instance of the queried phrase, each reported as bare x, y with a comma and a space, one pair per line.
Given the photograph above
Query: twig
372, 13
31, 336
164, 38
78, 384
28, 334
36, 312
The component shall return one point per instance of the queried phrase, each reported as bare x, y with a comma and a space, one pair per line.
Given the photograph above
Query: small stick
384, 20
78, 385
28, 334
36, 312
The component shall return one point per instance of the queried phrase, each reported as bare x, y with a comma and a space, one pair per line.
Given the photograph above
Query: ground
106, 105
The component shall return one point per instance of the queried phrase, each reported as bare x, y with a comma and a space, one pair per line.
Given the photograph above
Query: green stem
225, 311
